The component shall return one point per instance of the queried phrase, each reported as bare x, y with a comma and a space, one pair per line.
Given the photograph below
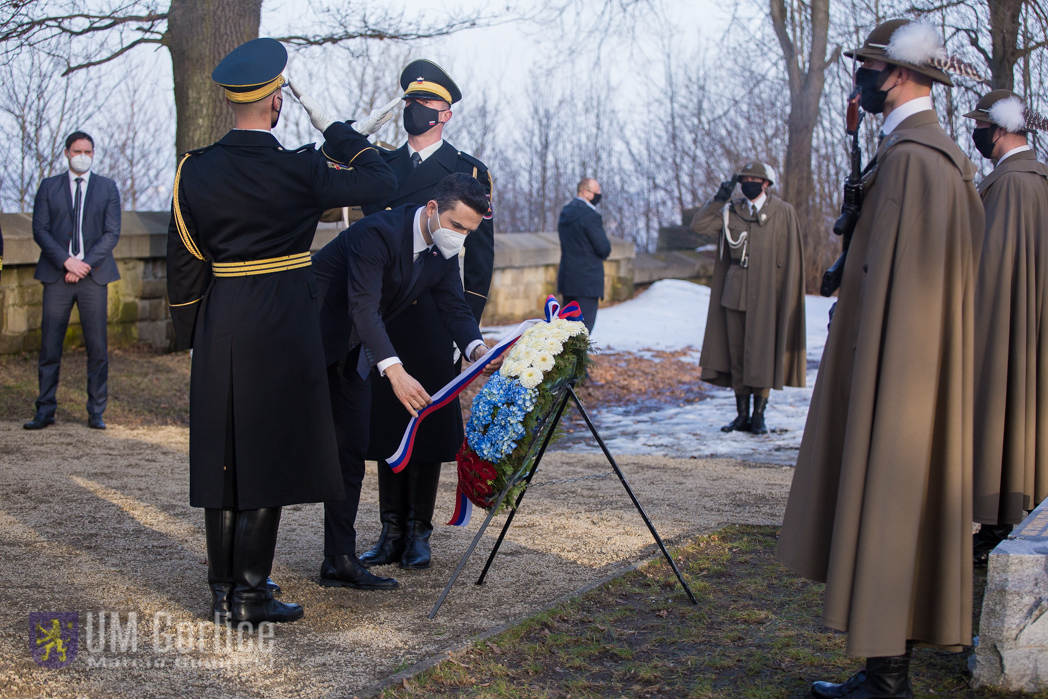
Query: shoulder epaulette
475, 162
198, 151
309, 147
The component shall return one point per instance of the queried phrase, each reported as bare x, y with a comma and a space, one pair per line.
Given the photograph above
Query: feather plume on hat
918, 43
1009, 114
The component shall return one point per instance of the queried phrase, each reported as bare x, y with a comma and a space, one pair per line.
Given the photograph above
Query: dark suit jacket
53, 227
415, 186
365, 280
583, 248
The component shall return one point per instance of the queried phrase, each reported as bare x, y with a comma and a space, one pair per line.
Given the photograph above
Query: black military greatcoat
421, 341
261, 432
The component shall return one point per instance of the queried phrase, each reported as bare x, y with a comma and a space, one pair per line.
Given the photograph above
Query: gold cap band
255, 95
427, 86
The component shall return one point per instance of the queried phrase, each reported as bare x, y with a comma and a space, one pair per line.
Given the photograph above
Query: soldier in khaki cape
880, 508
755, 335
1010, 468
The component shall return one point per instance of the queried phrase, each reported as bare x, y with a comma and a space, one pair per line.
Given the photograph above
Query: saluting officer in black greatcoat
243, 296
406, 500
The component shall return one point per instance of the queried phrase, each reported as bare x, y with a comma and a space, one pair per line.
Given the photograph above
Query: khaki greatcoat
770, 291
880, 505
1011, 354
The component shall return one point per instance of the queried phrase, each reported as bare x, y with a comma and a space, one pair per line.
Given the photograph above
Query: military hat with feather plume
915, 45
1005, 109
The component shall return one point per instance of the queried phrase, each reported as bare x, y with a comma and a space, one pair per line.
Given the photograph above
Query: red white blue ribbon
399, 460
463, 510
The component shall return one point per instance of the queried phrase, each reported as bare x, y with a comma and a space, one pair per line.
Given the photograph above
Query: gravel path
99, 522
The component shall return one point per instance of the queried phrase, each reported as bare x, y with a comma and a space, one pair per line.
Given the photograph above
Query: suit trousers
588, 304
737, 352
351, 409
91, 298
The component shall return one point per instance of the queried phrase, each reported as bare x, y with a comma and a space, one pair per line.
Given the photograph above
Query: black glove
724, 193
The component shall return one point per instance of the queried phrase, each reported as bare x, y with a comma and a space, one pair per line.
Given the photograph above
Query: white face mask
449, 242
80, 163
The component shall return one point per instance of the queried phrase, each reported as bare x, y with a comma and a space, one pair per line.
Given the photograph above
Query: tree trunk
798, 184
199, 34
1004, 35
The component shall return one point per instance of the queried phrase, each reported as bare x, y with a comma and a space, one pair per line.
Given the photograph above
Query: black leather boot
254, 543
219, 526
346, 571
757, 425
884, 678
742, 422
422, 495
986, 540
393, 512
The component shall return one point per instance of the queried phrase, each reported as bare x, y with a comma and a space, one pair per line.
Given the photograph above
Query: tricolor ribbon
399, 460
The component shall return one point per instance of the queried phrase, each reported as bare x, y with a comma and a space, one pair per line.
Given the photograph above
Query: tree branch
57, 25
117, 54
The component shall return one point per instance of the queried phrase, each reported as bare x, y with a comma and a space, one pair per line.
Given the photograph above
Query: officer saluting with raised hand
243, 296
425, 347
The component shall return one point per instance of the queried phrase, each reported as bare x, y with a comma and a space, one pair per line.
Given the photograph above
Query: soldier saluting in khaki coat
755, 335
1011, 354
880, 508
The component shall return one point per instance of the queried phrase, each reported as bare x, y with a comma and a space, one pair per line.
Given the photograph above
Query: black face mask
872, 97
596, 198
983, 142
751, 190
418, 119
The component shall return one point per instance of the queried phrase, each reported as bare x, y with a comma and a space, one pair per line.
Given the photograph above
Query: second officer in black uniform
406, 500
243, 296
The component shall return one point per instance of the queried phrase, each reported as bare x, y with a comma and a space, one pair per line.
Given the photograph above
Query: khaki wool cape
775, 354
880, 508
1011, 353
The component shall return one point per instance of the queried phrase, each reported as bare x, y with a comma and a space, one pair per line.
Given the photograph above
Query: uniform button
865, 266
780, 265
414, 303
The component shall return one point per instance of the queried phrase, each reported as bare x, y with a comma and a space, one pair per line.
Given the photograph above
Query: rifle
852, 204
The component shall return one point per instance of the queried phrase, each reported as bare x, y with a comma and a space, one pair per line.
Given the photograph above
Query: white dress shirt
757, 203
83, 197
419, 247
1012, 152
427, 151
903, 111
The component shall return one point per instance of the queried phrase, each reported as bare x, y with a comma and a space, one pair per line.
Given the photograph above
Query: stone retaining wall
525, 272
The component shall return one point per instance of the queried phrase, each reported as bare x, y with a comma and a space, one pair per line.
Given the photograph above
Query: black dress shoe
346, 571
38, 423
96, 422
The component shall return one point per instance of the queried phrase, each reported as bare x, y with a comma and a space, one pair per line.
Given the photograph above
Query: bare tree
198, 34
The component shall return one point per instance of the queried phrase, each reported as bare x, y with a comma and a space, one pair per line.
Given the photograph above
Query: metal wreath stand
527, 472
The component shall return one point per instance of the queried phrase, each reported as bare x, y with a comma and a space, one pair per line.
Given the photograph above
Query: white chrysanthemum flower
553, 346
544, 361
530, 378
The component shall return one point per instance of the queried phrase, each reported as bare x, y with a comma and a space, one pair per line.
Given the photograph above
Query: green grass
755, 634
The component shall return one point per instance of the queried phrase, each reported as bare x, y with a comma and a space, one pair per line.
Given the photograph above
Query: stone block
1012, 651
15, 320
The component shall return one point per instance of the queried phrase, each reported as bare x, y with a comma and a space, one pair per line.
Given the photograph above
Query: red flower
476, 476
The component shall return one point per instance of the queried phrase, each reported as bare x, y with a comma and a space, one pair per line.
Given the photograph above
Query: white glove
377, 118
320, 120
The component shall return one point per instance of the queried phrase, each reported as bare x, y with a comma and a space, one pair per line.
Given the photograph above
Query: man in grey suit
76, 223
583, 248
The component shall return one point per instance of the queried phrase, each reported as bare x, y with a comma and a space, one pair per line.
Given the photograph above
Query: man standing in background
583, 248
76, 223
1010, 467
423, 344
755, 334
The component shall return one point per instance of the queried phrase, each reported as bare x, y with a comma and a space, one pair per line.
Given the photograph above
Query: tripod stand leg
527, 481
629, 491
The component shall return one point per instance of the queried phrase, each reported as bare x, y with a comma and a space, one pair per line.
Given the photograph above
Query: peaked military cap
1004, 108
252, 71
755, 168
427, 80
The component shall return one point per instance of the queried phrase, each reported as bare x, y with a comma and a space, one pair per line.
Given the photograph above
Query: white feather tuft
915, 43
770, 172
1008, 114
